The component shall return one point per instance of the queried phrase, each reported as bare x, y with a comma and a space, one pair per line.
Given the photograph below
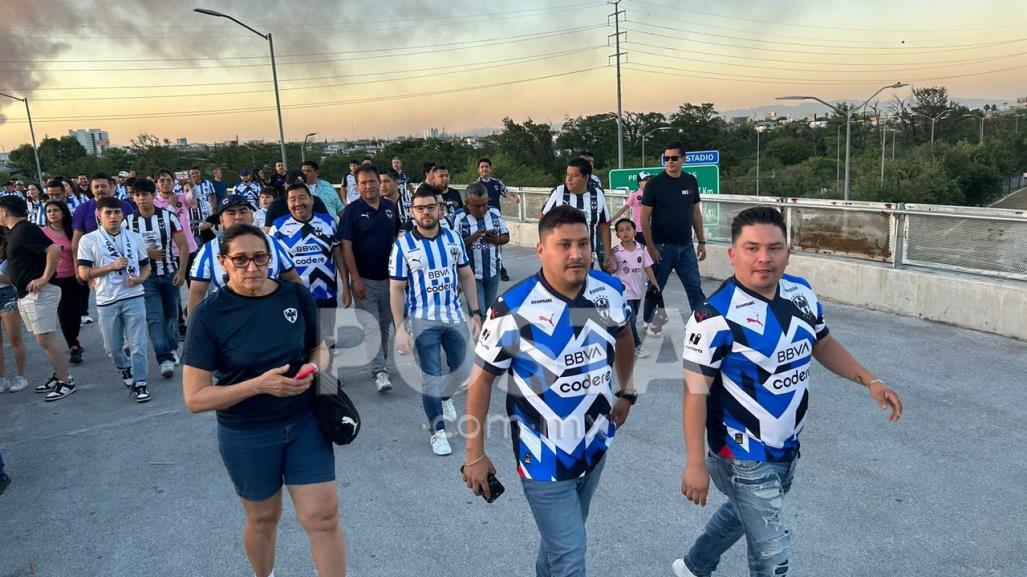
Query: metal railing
986, 241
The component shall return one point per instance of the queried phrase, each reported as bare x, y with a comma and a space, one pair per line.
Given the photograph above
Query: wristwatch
630, 397
476, 312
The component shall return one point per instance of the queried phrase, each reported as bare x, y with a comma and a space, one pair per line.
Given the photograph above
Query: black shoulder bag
335, 411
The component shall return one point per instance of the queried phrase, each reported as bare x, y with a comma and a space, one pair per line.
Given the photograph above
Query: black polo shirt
26, 255
672, 200
372, 232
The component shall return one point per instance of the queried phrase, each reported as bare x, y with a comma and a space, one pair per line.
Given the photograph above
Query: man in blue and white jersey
428, 269
313, 242
748, 353
497, 190
121, 191
247, 187
484, 230
207, 274
560, 335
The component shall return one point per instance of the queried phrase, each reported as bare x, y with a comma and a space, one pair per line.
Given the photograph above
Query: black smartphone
496, 488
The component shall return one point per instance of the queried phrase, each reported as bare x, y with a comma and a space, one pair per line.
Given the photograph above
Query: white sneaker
86, 320
178, 359
681, 570
167, 369
382, 382
19, 383
449, 410
641, 353
4, 384
439, 444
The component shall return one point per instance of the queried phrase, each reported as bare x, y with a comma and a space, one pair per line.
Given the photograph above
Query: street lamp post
933, 119
981, 118
303, 150
274, 71
32, 131
758, 131
644, 136
848, 123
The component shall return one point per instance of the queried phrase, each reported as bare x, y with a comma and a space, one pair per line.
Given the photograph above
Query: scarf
129, 249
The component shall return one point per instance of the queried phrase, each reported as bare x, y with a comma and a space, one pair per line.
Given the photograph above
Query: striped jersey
251, 191
484, 257
36, 213
592, 203
559, 353
121, 191
495, 188
74, 200
312, 246
429, 265
157, 232
206, 267
759, 353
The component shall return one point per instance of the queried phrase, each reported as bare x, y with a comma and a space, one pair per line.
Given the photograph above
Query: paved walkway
103, 486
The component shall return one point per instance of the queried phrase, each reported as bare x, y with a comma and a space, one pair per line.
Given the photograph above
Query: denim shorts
8, 299
260, 460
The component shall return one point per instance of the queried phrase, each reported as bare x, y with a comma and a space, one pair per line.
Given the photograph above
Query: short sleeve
345, 228
203, 265
550, 202
503, 190
36, 240
78, 220
200, 347
649, 195
397, 264
503, 228
138, 240
176, 224
646, 259
707, 341
285, 263
604, 213
498, 340
462, 259
85, 256
821, 324
696, 197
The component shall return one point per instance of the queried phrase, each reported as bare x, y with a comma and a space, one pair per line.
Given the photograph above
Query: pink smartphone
305, 372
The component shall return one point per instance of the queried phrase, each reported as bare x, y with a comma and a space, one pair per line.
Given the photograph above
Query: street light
274, 71
644, 136
848, 122
981, 118
32, 131
933, 119
303, 151
758, 131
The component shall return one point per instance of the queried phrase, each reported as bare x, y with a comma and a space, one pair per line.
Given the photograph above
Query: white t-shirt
98, 249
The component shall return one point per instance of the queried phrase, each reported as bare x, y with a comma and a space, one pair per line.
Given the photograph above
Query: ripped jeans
755, 492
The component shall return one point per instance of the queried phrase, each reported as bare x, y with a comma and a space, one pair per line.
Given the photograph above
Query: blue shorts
8, 299
260, 460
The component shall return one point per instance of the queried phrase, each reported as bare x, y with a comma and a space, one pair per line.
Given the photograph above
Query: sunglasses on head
671, 158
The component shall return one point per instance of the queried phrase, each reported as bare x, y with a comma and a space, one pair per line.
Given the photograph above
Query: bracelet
876, 381
475, 461
700, 242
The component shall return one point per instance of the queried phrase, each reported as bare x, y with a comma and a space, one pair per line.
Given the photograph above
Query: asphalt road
103, 486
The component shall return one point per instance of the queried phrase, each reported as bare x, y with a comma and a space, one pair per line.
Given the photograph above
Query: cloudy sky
393, 67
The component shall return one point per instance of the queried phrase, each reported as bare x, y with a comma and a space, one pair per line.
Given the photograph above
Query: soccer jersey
559, 353
158, 232
312, 246
251, 191
99, 248
485, 257
36, 213
631, 269
206, 267
592, 203
495, 188
429, 265
759, 353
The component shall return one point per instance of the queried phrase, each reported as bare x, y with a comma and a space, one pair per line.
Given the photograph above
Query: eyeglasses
243, 261
425, 208
671, 158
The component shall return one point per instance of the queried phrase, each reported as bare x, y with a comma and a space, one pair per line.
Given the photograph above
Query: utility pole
620, 118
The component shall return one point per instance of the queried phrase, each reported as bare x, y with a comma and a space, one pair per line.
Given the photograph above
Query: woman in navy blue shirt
268, 434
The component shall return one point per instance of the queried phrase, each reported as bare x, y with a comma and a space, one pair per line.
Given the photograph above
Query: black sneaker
5, 481
140, 393
126, 377
48, 385
60, 391
75, 356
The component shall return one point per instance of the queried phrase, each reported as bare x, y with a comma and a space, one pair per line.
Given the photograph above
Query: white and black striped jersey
485, 258
158, 232
592, 203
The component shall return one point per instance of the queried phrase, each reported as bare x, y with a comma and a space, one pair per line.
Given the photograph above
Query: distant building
432, 133
94, 140
5, 161
739, 120
182, 143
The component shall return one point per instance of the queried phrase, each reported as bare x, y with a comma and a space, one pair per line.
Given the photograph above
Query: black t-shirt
223, 339
26, 255
280, 207
372, 232
671, 200
454, 201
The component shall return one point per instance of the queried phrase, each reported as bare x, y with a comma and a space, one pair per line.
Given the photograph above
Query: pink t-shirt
66, 264
631, 269
634, 200
182, 212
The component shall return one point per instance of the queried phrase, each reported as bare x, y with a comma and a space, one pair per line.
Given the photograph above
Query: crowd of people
422, 267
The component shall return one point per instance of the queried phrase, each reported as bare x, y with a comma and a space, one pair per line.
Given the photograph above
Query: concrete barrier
991, 305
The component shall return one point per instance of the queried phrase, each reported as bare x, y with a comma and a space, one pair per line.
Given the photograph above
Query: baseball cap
644, 176
245, 172
234, 200
123, 174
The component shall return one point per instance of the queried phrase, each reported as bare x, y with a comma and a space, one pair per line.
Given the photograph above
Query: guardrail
985, 241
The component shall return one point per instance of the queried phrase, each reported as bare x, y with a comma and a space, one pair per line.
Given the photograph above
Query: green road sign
708, 176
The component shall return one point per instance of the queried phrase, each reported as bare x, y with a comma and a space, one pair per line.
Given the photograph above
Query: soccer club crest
603, 306
291, 314
802, 304
454, 252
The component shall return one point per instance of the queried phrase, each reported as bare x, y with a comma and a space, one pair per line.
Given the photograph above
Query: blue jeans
162, 298
681, 259
125, 321
755, 492
561, 509
488, 289
430, 338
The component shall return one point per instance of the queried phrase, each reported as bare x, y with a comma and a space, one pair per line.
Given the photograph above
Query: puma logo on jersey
548, 320
756, 321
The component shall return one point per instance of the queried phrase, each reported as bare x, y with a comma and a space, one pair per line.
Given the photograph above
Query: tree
787, 149
529, 144
596, 133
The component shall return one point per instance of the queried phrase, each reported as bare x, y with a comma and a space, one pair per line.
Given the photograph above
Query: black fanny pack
335, 411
